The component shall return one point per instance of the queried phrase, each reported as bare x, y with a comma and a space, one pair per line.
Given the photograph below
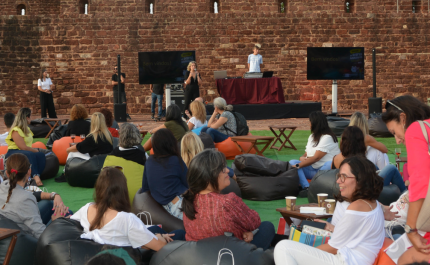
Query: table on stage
251, 91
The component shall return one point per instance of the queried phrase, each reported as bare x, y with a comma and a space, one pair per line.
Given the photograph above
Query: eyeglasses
117, 167
394, 105
342, 177
224, 170
116, 68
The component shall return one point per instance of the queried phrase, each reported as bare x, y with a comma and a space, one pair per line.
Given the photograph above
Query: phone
255, 231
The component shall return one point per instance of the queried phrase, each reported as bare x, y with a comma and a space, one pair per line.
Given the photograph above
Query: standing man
157, 92
255, 59
121, 97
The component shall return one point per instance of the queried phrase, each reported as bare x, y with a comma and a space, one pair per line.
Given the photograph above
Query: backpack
242, 126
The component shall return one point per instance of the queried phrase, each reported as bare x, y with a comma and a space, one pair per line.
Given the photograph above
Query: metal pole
119, 77
374, 72
397, 6
334, 97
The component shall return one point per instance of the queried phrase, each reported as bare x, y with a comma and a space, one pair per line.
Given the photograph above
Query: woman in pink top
207, 213
401, 119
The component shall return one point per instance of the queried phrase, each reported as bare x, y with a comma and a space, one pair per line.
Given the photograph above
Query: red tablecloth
251, 91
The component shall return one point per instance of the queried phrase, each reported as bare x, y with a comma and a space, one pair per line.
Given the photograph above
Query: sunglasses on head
394, 105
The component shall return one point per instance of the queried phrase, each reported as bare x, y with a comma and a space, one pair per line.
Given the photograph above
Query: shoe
128, 116
304, 193
61, 178
152, 116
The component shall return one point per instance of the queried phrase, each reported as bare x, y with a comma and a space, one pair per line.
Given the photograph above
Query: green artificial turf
75, 197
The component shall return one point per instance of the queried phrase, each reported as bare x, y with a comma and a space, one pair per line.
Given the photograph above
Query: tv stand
333, 99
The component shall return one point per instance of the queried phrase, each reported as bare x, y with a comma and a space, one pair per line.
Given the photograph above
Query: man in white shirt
254, 60
9, 118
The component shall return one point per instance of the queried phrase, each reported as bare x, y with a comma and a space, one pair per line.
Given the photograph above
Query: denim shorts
173, 209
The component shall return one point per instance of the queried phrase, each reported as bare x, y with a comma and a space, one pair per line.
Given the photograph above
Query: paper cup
321, 198
330, 204
291, 202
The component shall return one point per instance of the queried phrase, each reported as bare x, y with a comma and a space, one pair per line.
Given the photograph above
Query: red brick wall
79, 51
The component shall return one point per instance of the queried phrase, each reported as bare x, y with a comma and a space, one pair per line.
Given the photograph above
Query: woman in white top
322, 146
198, 120
109, 219
44, 85
358, 232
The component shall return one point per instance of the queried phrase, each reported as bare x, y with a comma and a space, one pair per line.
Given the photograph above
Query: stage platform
290, 109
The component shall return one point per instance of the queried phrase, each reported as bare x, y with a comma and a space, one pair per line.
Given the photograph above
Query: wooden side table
400, 160
5, 233
255, 141
287, 214
55, 125
282, 129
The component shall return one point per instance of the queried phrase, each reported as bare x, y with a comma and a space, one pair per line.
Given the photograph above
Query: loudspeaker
375, 105
177, 97
120, 112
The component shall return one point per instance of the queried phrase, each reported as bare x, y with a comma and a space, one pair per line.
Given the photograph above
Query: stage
290, 109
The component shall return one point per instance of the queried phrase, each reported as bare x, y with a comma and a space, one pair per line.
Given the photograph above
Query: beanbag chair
60, 244
207, 140
84, 173
337, 124
52, 165
383, 258
57, 134
260, 165
230, 150
143, 202
3, 150
60, 146
377, 127
39, 145
207, 251
233, 187
39, 128
25, 248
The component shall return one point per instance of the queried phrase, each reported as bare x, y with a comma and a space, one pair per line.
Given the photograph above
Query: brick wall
79, 50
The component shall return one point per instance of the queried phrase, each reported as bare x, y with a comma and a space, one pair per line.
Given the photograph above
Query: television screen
164, 67
326, 63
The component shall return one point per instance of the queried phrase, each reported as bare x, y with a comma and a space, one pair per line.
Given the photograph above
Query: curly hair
129, 135
369, 184
78, 112
108, 117
352, 142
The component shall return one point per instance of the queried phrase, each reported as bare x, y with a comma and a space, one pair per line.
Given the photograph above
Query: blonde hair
358, 119
198, 110
99, 128
189, 65
21, 120
191, 145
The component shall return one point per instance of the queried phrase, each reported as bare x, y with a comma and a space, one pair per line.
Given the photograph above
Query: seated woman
198, 119
207, 213
352, 144
376, 151
109, 219
20, 139
174, 123
358, 232
109, 121
19, 205
321, 147
165, 173
78, 123
222, 123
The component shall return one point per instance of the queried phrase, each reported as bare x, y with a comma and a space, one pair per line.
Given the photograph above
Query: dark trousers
47, 102
190, 94
37, 160
121, 95
179, 234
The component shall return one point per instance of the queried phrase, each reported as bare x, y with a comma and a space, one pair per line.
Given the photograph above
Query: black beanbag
233, 187
84, 173
377, 127
40, 128
260, 165
57, 134
207, 140
337, 124
52, 165
206, 251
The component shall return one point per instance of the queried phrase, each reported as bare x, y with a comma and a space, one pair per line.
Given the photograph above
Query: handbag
423, 221
307, 239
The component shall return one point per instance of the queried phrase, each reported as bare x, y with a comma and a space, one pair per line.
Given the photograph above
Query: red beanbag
39, 145
230, 150
383, 258
60, 146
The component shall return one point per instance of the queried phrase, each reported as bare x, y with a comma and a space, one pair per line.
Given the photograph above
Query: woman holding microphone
44, 85
192, 81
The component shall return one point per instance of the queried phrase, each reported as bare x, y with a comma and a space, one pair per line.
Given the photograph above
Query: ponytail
229, 108
12, 185
188, 205
17, 167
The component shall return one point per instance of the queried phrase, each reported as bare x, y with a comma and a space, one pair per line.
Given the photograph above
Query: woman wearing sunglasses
357, 225
401, 119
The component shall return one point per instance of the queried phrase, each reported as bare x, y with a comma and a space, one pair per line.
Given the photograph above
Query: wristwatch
409, 230
53, 195
297, 165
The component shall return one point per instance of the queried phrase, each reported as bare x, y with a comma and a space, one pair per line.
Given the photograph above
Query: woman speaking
192, 81
44, 85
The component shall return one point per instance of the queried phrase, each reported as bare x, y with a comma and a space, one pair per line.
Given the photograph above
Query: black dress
191, 92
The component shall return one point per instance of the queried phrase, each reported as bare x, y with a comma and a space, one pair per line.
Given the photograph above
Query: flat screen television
340, 63
164, 67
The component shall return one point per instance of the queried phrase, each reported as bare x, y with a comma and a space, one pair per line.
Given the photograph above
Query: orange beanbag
230, 150
39, 145
60, 146
3, 150
383, 258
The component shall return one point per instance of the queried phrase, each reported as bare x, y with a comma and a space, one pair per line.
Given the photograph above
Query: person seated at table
165, 173
376, 151
198, 118
19, 205
109, 219
78, 123
174, 123
20, 139
207, 213
222, 123
8, 119
357, 233
353, 144
109, 122
322, 146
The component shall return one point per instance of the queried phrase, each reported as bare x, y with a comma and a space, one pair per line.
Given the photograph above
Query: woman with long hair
44, 85
78, 123
198, 118
192, 82
165, 173
20, 139
222, 123
321, 147
357, 226
207, 213
401, 117
109, 219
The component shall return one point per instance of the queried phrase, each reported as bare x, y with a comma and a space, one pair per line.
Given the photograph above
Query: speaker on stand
375, 104
119, 109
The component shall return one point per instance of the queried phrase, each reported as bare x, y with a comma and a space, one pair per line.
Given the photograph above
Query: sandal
38, 181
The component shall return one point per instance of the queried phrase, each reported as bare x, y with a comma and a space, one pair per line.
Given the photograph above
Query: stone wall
80, 50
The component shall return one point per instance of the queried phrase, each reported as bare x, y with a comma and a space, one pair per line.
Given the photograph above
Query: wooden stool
55, 125
400, 160
254, 140
5, 233
288, 214
282, 129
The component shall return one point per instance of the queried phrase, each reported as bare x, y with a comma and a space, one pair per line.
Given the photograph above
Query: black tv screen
343, 63
164, 67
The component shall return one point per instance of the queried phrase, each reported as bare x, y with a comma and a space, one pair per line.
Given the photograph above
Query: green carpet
75, 198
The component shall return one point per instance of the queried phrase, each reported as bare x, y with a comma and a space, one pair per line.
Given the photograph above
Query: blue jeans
390, 174
216, 135
45, 209
179, 234
160, 103
37, 160
175, 209
264, 236
326, 166
305, 173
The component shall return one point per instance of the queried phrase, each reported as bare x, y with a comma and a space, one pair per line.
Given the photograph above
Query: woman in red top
207, 213
109, 122
401, 119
